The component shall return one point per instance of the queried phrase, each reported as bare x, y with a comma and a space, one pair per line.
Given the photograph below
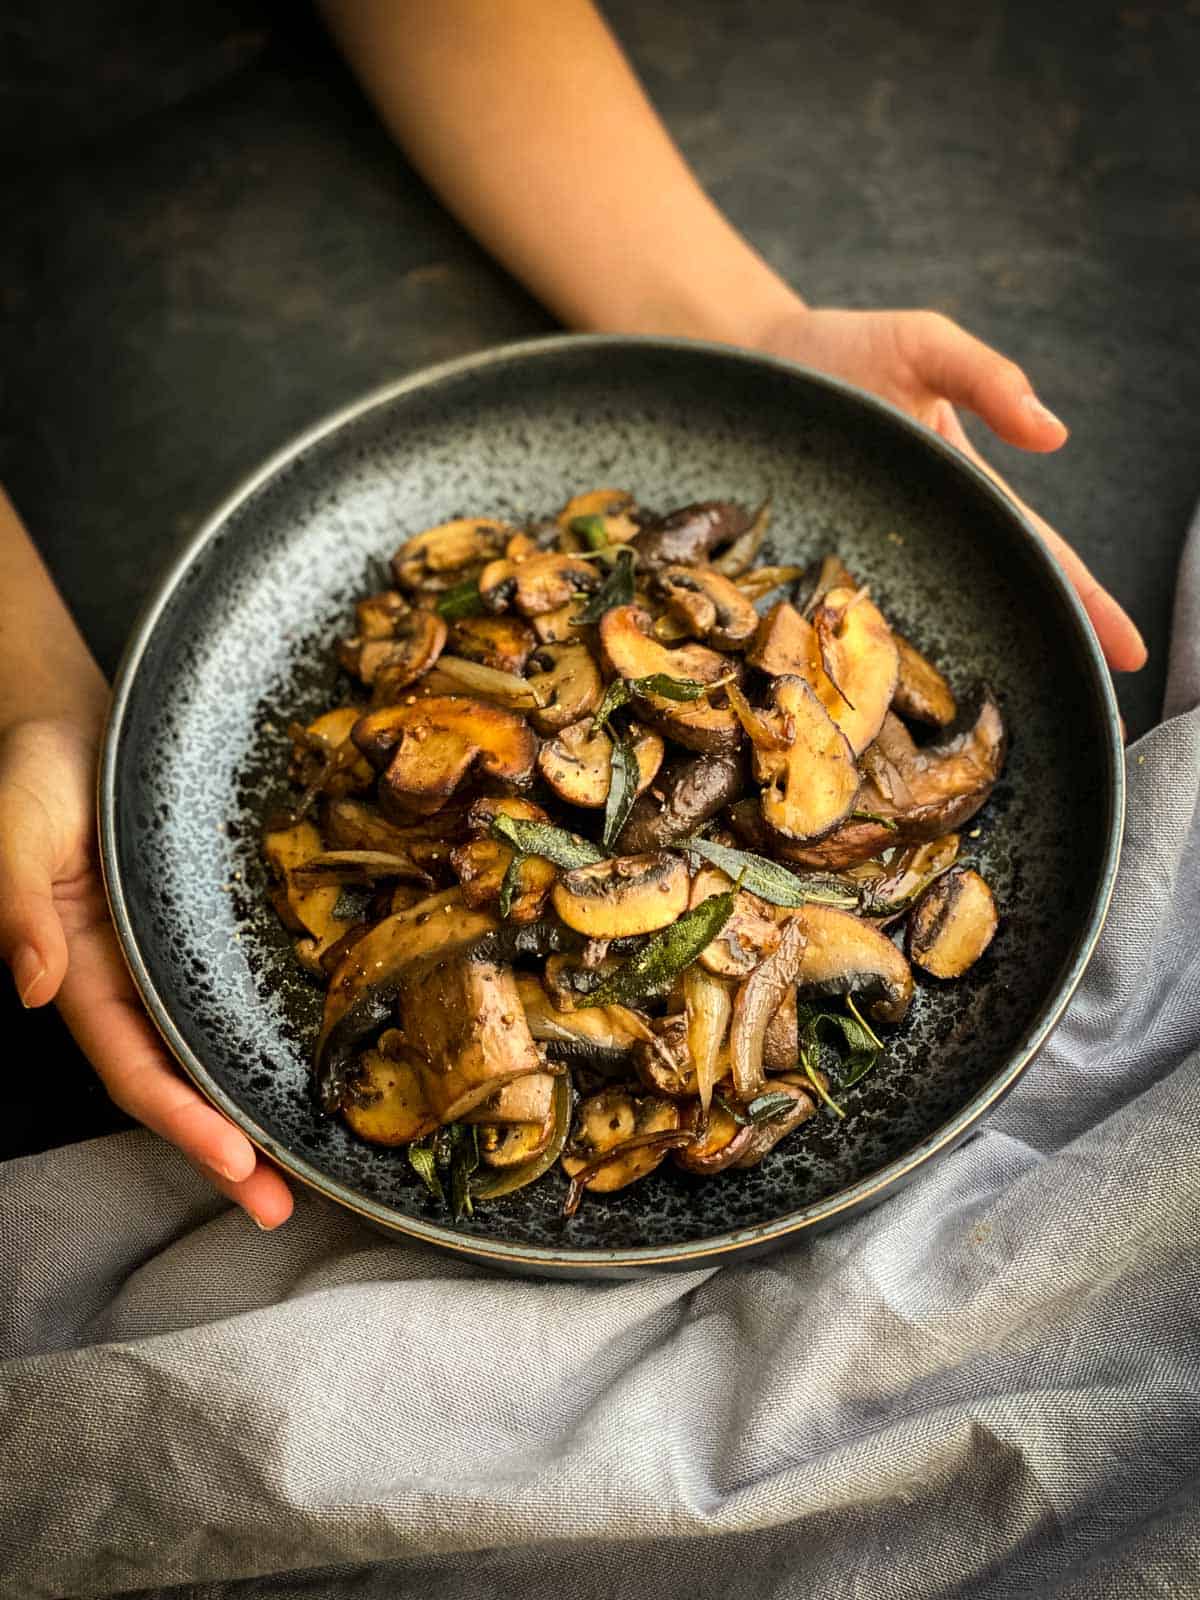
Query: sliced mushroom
686, 536
512, 1145
612, 506
947, 783
623, 896
709, 606
631, 653
603, 1154
482, 863
324, 759
922, 693
502, 643
953, 924
577, 764
537, 584
689, 792
429, 747
845, 955
664, 1063
561, 625
592, 1036
860, 664
386, 1102
354, 825
450, 553
716, 1145
785, 644
781, 1043
758, 1000
765, 1135
811, 783
462, 1017
568, 685
748, 937
376, 615
908, 875
416, 642
304, 909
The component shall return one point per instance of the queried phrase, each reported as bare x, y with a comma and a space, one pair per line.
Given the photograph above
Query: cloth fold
990, 1386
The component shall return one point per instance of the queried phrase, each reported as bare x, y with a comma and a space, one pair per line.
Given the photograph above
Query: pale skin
526, 119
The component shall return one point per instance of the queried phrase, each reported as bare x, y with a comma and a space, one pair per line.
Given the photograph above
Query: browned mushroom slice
624, 896
860, 664
785, 644
443, 556
568, 685
689, 792
386, 1102
747, 938
502, 643
809, 784
538, 584
781, 1043
590, 1036
415, 644
759, 999
947, 784
895, 887
462, 1018
304, 909
663, 1061
631, 653
560, 626
716, 1146
376, 615
845, 955
429, 747
686, 536
604, 1153
512, 1145
482, 863
354, 825
324, 758
578, 763
708, 605
953, 924
612, 506
922, 693
765, 1135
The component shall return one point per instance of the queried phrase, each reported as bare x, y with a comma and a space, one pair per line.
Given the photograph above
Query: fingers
31, 935
950, 361
1122, 644
100, 1008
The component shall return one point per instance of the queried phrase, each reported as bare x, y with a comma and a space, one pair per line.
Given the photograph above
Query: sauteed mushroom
953, 924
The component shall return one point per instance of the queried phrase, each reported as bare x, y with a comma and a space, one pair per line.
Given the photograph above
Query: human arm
55, 932
529, 123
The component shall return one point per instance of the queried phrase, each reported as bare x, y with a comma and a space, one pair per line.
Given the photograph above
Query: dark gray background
207, 243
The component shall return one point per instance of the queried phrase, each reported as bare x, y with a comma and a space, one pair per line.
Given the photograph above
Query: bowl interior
241, 641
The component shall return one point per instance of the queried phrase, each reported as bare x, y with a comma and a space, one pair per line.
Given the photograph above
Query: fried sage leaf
617, 694
830, 1027
509, 883
769, 880
622, 787
668, 688
421, 1160
660, 961
540, 839
463, 600
591, 530
766, 1107
616, 590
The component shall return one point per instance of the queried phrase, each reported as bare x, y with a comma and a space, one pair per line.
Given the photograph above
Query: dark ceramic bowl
238, 641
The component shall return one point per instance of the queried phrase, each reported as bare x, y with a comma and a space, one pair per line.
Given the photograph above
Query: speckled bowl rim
821, 1214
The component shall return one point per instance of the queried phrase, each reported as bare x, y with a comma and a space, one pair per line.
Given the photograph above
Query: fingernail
1042, 413
28, 970
263, 1227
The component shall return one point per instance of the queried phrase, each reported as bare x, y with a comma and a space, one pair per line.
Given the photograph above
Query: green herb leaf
463, 1162
661, 959
832, 1027
617, 694
873, 816
769, 880
823, 1093
732, 1110
508, 886
766, 1107
591, 530
540, 839
622, 787
668, 688
421, 1160
463, 600
616, 590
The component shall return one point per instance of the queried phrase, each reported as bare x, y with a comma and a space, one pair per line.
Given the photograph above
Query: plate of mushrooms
604, 879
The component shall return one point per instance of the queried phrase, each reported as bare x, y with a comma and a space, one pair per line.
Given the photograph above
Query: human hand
926, 364
58, 941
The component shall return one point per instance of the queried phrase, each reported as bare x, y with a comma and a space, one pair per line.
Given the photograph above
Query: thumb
952, 362
32, 942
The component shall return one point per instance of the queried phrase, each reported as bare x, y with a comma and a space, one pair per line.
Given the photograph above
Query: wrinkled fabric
988, 1387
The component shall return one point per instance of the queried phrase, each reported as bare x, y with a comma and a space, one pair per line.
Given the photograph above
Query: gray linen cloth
988, 1387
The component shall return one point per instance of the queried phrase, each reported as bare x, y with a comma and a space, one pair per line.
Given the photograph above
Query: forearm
46, 670
527, 120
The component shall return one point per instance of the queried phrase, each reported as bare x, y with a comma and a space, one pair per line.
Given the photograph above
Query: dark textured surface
208, 242
200, 742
